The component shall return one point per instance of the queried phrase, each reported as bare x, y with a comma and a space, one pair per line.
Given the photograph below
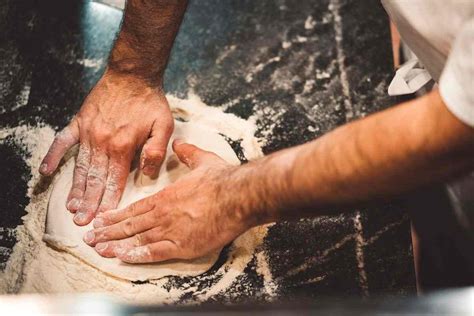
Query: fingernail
98, 222
178, 141
101, 246
43, 167
80, 217
89, 237
73, 204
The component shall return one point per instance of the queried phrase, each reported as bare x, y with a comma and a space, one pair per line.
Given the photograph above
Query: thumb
64, 140
191, 155
154, 150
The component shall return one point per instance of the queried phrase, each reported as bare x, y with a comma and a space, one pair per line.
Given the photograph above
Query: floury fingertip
73, 205
101, 246
80, 218
43, 168
89, 237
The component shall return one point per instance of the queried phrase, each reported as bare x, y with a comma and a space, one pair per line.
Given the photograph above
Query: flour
34, 267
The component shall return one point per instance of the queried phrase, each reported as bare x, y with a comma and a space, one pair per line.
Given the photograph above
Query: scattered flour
34, 267
309, 23
91, 62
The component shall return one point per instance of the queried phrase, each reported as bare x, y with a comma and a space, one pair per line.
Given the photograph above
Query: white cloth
441, 34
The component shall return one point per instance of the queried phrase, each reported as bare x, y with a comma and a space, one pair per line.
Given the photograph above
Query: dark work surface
252, 58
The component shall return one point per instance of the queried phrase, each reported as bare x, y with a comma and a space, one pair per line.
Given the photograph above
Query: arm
126, 110
385, 154
144, 44
414, 144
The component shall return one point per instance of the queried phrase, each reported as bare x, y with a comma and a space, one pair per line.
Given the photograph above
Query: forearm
144, 43
383, 155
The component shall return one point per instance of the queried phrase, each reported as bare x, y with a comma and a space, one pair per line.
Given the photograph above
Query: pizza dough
62, 233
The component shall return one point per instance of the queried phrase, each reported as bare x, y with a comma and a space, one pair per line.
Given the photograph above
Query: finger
156, 252
116, 181
95, 186
115, 216
65, 139
193, 156
107, 249
154, 150
79, 179
124, 229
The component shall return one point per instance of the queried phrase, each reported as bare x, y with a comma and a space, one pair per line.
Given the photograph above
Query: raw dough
62, 233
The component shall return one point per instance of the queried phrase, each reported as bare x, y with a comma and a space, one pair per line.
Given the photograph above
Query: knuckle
96, 172
76, 192
132, 209
154, 154
58, 139
155, 216
103, 235
65, 135
82, 168
85, 124
147, 204
84, 152
102, 134
106, 220
128, 227
112, 186
82, 118
140, 240
120, 144
177, 244
94, 180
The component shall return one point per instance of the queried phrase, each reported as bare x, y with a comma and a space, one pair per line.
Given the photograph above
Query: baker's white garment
441, 34
410, 77
62, 233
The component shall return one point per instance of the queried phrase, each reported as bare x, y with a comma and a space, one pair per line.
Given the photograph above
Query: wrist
258, 192
234, 199
270, 184
125, 61
129, 81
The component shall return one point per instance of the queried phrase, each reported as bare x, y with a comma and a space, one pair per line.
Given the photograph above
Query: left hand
121, 115
190, 218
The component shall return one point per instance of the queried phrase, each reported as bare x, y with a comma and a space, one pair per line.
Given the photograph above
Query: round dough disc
62, 233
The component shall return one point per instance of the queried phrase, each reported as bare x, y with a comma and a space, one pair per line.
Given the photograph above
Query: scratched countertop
308, 66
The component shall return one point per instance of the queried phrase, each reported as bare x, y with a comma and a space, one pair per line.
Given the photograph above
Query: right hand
121, 114
185, 220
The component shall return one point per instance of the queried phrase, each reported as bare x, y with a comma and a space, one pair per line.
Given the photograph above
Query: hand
186, 220
120, 115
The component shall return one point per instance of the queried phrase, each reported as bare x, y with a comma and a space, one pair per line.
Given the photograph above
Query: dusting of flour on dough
34, 267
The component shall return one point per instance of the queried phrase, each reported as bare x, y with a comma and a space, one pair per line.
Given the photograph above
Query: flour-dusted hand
121, 114
127, 109
186, 220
